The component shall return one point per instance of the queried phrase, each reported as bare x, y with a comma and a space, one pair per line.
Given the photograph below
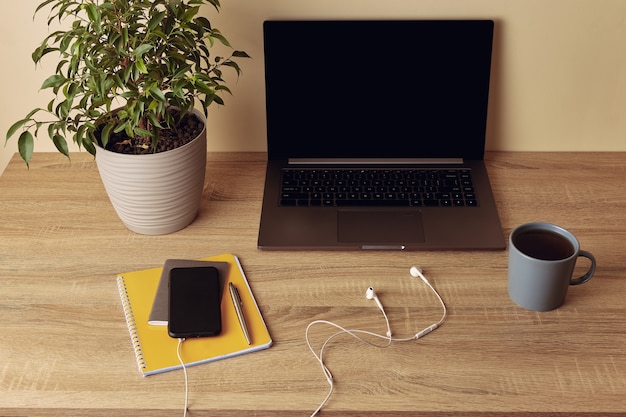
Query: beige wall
559, 78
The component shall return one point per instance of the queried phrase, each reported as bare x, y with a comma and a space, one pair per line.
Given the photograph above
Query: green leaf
106, 133
53, 81
61, 145
141, 67
92, 138
88, 144
182, 71
153, 119
234, 65
63, 110
124, 36
156, 19
189, 14
142, 49
25, 146
118, 81
65, 42
223, 88
52, 129
204, 23
157, 94
94, 15
15, 126
120, 127
240, 54
41, 51
178, 88
142, 132
152, 107
129, 94
129, 130
220, 37
42, 5
80, 134
201, 76
203, 88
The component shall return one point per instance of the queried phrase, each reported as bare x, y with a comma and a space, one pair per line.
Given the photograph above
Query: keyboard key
294, 196
372, 203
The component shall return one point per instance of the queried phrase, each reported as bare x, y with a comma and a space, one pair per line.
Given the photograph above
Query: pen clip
235, 294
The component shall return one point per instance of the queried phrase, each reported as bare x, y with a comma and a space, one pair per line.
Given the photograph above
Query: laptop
376, 136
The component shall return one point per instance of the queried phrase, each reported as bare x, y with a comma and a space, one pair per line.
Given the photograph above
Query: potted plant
129, 79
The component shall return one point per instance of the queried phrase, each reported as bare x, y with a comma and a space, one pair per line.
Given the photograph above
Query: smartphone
194, 302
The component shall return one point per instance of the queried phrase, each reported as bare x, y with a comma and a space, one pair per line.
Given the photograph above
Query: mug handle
589, 273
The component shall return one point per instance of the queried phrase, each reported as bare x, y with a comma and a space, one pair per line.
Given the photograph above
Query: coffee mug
542, 257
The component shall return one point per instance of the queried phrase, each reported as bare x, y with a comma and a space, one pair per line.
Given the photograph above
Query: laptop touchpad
379, 227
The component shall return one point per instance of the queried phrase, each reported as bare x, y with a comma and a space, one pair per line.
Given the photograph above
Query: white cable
320, 357
180, 343
356, 334
443, 316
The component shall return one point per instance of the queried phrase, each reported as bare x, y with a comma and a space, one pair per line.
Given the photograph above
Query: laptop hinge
374, 161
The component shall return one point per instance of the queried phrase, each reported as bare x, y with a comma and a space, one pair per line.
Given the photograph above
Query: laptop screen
377, 89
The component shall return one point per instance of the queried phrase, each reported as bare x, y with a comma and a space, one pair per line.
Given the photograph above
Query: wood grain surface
65, 348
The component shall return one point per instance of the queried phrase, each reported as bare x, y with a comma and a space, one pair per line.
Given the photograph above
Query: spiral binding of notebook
130, 323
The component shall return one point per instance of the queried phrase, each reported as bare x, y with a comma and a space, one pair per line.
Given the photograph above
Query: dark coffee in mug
543, 244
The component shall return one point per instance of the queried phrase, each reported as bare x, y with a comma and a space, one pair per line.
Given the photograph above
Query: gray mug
542, 257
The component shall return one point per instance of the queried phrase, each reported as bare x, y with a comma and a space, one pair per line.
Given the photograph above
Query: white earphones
415, 272
371, 295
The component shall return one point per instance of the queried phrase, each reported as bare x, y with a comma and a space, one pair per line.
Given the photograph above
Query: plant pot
159, 193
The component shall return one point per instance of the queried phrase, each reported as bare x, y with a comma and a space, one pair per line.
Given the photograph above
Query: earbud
416, 272
371, 295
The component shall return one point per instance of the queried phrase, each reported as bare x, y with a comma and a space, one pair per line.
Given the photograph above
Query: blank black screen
384, 89
194, 302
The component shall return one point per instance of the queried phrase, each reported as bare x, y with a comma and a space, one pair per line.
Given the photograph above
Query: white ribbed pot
159, 193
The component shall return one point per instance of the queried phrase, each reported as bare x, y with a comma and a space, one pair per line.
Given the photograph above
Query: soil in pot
187, 129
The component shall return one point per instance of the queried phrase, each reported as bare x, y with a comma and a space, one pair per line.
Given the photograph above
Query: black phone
194, 302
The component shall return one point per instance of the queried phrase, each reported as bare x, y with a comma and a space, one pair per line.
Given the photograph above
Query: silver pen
234, 294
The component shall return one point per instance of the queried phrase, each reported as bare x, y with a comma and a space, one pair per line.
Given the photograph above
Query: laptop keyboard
378, 187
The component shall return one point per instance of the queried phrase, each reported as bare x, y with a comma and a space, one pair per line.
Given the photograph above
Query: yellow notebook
156, 350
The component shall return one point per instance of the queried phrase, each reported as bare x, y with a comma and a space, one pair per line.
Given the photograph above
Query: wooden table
65, 349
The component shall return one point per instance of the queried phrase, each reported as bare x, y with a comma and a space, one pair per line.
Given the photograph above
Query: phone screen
194, 302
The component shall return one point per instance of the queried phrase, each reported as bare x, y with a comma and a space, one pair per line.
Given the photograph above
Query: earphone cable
180, 343
355, 333
320, 357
